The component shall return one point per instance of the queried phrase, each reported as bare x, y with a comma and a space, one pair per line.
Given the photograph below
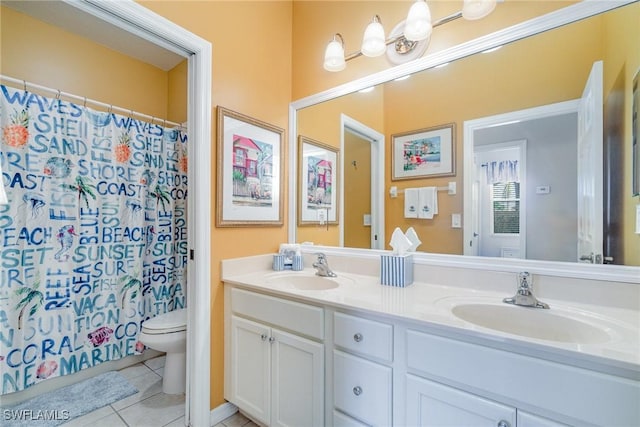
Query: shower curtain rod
84, 100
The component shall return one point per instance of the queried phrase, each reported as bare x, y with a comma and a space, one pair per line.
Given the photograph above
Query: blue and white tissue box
396, 270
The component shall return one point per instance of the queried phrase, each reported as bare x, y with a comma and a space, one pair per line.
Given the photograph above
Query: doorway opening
362, 185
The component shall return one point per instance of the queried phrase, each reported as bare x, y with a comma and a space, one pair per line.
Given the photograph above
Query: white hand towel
428, 202
411, 201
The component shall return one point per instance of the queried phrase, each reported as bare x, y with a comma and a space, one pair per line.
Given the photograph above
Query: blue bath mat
61, 405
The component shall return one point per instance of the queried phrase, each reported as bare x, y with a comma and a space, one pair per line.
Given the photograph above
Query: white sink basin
306, 281
551, 325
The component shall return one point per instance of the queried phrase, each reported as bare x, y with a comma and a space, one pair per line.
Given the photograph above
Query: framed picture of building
318, 182
250, 184
423, 153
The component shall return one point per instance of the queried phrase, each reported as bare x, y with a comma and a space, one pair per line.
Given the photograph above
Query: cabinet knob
357, 390
263, 337
358, 337
271, 340
503, 423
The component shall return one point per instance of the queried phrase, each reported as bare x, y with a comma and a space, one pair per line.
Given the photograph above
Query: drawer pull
272, 340
263, 337
357, 390
503, 423
358, 337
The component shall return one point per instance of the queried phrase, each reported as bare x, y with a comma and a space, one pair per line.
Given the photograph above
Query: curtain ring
164, 123
84, 104
24, 82
130, 114
58, 95
110, 109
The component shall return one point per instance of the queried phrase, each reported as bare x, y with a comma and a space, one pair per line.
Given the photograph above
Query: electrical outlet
456, 220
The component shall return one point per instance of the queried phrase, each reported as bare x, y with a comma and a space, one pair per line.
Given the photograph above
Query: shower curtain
93, 237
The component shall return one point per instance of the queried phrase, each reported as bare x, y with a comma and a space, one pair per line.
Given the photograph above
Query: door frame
377, 141
134, 18
469, 129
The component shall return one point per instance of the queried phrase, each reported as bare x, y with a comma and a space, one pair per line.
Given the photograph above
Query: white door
590, 134
432, 404
297, 381
251, 354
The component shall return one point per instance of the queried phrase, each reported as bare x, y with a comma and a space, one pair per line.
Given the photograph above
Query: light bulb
334, 55
477, 9
418, 24
373, 42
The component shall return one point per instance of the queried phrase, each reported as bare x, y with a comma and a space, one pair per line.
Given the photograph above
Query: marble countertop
428, 307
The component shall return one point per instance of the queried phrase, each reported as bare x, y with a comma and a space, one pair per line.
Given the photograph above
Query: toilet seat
173, 321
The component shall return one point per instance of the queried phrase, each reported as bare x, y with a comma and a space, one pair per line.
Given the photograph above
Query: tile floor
150, 407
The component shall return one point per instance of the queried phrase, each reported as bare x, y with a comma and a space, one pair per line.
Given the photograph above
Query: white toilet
168, 332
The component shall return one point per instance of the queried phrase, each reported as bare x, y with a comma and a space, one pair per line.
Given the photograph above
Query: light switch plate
456, 220
366, 220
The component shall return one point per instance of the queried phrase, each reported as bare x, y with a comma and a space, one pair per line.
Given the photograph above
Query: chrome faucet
322, 266
524, 296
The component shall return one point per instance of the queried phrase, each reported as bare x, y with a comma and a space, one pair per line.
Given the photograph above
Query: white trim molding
134, 18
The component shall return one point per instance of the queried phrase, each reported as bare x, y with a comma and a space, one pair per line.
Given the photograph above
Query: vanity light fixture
373, 42
334, 55
417, 29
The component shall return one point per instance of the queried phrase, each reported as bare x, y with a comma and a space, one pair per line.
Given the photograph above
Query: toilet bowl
168, 332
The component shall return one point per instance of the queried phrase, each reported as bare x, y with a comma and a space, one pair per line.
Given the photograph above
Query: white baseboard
222, 412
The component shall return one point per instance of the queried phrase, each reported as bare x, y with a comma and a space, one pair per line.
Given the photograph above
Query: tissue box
396, 270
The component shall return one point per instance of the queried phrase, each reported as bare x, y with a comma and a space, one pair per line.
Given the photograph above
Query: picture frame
424, 153
318, 165
250, 167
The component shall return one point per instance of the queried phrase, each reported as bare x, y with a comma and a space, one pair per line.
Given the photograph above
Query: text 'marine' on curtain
93, 238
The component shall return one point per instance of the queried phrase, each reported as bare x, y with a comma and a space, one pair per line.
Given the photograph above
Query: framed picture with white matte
250, 184
423, 153
318, 182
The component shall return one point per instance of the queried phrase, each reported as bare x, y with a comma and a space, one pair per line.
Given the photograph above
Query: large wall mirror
520, 101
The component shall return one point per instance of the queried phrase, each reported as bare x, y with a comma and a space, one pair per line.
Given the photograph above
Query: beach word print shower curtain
93, 237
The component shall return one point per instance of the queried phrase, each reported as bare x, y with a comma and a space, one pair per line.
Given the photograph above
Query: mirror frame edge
566, 15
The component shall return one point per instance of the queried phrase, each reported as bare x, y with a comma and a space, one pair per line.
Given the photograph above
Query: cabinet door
251, 362
431, 404
297, 381
528, 420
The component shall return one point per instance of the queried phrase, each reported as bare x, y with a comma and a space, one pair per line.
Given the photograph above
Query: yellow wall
622, 56
252, 75
357, 191
315, 23
509, 79
322, 123
46, 55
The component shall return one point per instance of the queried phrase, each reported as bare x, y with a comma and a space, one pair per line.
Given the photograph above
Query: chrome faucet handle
525, 283
322, 258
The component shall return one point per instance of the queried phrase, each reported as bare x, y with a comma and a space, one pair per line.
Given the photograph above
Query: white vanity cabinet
487, 386
275, 376
362, 373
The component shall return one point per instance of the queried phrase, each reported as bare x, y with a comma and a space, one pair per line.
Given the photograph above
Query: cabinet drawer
362, 389
301, 318
363, 336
